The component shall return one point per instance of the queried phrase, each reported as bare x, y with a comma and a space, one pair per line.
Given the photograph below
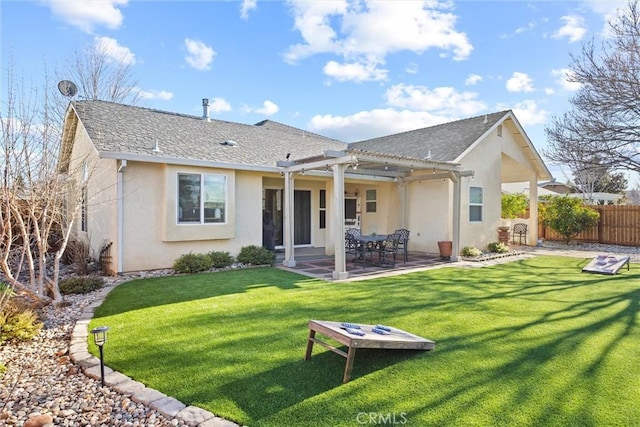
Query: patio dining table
371, 243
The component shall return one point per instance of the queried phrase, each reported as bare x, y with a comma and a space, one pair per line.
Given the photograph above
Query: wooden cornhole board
397, 339
607, 264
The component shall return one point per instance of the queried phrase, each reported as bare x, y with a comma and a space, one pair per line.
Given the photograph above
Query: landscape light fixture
99, 338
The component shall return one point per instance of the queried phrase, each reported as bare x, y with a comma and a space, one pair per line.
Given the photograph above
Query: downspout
119, 206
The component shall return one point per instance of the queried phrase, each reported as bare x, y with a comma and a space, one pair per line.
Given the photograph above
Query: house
164, 184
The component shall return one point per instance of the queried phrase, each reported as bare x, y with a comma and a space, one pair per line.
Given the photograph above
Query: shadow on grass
143, 293
530, 343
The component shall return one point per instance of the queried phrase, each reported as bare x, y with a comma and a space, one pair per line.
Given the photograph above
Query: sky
346, 69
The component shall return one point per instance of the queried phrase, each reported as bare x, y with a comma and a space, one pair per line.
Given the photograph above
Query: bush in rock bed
256, 255
80, 285
498, 247
18, 323
193, 263
221, 259
470, 251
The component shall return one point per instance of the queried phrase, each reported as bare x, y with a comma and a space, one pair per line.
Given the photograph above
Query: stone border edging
167, 406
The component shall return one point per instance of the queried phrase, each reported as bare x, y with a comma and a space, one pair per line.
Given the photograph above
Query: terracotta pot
445, 247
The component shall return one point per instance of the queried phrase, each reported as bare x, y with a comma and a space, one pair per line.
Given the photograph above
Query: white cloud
530, 26
562, 77
113, 50
412, 68
445, 101
87, 15
374, 123
219, 105
410, 107
473, 79
365, 32
247, 5
268, 108
528, 113
358, 72
573, 28
520, 82
162, 95
199, 55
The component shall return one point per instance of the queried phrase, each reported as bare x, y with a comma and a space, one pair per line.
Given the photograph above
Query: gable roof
130, 132
444, 142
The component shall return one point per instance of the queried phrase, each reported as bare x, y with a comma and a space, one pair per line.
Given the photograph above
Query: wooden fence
618, 225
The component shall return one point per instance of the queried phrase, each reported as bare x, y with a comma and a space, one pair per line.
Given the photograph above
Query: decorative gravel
41, 379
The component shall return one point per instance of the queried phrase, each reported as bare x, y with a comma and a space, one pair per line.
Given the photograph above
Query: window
371, 202
476, 200
83, 209
323, 209
202, 198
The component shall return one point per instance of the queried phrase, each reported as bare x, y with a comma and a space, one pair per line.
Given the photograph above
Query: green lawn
526, 343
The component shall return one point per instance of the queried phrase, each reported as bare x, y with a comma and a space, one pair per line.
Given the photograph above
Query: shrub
470, 251
220, 259
568, 216
80, 285
514, 205
193, 263
77, 253
498, 247
18, 323
256, 255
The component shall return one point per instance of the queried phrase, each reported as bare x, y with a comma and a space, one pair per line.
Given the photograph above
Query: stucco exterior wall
485, 160
153, 238
429, 215
101, 196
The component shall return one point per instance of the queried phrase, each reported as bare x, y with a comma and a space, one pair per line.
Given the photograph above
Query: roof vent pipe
205, 109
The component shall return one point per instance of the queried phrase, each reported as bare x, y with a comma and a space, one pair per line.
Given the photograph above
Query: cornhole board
607, 264
395, 339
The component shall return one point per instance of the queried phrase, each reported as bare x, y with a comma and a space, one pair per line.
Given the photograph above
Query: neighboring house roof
125, 131
445, 142
523, 187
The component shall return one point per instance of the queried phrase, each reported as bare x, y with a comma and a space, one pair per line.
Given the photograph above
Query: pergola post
457, 194
289, 255
337, 222
533, 211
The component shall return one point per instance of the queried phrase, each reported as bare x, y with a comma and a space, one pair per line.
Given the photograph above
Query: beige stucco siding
101, 196
154, 239
485, 160
429, 215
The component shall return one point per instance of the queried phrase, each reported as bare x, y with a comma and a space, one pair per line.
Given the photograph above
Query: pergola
357, 163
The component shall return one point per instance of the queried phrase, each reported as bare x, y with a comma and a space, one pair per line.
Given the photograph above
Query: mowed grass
527, 343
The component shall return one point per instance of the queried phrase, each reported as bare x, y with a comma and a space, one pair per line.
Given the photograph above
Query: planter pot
445, 247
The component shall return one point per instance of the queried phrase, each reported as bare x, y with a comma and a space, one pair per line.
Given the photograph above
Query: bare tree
104, 75
603, 126
37, 204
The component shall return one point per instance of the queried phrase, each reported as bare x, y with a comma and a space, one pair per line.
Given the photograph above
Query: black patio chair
353, 247
519, 231
388, 251
403, 241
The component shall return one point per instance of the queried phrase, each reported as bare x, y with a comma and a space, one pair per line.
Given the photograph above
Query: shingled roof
445, 142
148, 133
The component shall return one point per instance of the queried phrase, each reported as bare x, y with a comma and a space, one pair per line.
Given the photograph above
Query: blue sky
346, 69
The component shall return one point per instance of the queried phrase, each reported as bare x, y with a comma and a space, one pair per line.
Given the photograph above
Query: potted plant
445, 248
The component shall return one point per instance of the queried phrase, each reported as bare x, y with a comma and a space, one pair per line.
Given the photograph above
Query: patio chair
519, 231
388, 251
353, 247
403, 240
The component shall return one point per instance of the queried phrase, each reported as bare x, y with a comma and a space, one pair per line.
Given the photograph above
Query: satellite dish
67, 88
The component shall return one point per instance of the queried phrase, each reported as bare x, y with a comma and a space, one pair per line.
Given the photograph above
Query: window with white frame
323, 209
371, 202
476, 204
202, 198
